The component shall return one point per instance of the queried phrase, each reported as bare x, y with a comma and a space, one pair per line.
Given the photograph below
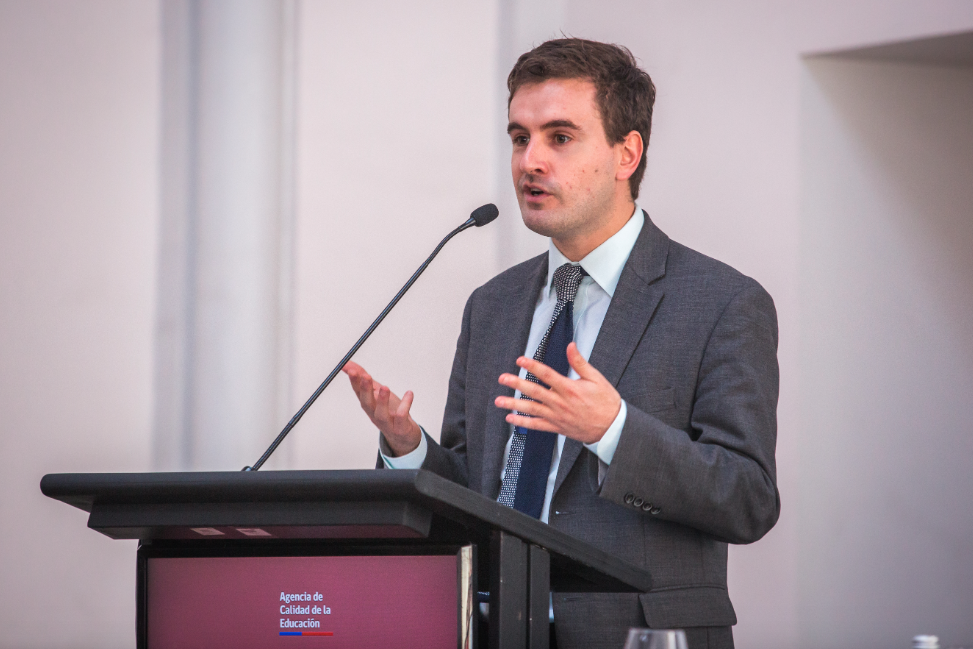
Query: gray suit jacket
691, 345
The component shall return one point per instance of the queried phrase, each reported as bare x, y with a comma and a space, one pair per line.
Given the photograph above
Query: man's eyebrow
554, 123
560, 123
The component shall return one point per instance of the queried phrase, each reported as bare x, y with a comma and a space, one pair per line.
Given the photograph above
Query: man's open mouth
531, 190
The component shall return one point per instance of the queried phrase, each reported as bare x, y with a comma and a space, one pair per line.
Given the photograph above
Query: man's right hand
389, 413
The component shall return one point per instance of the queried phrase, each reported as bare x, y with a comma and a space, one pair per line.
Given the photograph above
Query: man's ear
630, 154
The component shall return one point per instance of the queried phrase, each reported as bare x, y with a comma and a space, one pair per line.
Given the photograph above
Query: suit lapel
635, 300
516, 312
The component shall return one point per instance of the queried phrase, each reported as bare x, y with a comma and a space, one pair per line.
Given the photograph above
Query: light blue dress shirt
604, 266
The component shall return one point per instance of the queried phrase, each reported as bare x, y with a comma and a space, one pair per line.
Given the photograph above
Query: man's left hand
581, 408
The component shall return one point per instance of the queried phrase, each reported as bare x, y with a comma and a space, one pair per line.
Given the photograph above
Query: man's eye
560, 138
519, 140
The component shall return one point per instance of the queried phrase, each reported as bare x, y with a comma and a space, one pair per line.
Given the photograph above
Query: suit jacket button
647, 507
655, 510
629, 497
637, 502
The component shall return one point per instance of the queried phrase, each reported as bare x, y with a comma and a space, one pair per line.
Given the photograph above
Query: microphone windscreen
484, 214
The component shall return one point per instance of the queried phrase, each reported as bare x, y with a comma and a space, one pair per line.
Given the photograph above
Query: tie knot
567, 278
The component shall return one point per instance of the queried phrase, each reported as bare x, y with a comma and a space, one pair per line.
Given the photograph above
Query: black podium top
349, 505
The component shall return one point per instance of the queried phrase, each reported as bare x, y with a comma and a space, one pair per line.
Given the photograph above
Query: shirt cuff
605, 447
412, 459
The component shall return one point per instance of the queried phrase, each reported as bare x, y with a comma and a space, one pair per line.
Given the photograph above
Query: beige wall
398, 107
394, 151
886, 437
78, 143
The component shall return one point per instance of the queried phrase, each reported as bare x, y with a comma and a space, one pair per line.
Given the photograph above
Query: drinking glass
656, 639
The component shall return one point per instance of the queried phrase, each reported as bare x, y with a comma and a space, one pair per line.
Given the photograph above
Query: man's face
564, 169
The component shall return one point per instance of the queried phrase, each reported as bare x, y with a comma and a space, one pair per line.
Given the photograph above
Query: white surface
394, 130
222, 222
886, 439
79, 109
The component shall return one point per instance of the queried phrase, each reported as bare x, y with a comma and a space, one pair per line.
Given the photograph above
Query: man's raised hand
389, 413
581, 409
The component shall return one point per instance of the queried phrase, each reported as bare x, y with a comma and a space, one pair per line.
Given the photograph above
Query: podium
237, 526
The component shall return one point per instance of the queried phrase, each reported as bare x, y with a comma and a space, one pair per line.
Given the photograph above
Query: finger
524, 406
354, 375
533, 423
546, 374
382, 402
529, 388
351, 368
366, 393
362, 386
405, 405
580, 365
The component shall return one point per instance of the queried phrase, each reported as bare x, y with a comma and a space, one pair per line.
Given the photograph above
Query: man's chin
539, 219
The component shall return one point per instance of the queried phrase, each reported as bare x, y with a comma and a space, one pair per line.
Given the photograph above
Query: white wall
226, 231
78, 130
394, 150
398, 107
886, 439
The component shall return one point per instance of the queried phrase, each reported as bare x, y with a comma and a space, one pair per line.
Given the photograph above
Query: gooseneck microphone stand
480, 217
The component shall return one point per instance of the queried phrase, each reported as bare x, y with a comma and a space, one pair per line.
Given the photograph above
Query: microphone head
484, 214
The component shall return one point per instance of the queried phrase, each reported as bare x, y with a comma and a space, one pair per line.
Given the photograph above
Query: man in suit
621, 387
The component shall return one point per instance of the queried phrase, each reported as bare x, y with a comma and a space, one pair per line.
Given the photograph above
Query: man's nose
534, 159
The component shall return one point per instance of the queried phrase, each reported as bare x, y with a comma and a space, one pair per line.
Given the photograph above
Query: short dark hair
624, 92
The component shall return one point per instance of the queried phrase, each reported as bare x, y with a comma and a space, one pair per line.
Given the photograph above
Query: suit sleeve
449, 458
720, 476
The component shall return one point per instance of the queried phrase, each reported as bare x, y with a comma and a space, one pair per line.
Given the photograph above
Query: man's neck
577, 247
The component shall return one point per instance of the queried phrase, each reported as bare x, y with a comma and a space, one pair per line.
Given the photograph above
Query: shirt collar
605, 263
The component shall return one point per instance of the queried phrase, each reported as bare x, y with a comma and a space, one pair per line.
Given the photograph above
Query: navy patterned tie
531, 451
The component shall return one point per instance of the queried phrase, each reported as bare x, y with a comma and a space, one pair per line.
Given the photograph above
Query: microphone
483, 215
479, 217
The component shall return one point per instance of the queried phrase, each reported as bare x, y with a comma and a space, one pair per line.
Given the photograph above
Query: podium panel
269, 598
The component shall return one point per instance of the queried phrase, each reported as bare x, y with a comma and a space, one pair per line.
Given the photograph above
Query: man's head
624, 92
579, 115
